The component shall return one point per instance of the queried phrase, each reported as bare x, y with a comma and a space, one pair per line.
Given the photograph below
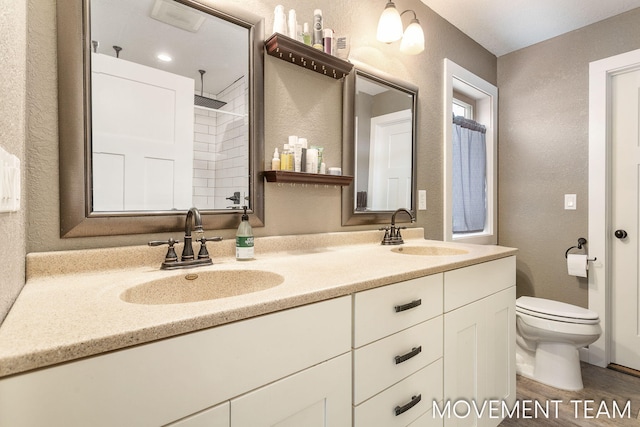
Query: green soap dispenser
244, 238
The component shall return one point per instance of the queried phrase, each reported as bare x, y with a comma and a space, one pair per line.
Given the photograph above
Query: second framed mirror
379, 146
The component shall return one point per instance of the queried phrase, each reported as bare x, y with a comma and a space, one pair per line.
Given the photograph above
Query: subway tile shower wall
221, 150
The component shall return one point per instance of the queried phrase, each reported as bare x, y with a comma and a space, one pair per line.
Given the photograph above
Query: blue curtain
469, 176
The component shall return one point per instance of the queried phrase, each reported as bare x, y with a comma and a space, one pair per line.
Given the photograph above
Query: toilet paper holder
581, 242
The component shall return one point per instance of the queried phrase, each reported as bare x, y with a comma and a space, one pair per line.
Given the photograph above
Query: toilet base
554, 364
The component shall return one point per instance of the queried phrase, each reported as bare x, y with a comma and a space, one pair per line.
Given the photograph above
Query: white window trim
486, 96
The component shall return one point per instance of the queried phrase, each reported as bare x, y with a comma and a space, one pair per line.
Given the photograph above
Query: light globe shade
413, 39
389, 25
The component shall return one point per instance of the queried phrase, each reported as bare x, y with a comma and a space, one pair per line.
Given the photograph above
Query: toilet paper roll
577, 265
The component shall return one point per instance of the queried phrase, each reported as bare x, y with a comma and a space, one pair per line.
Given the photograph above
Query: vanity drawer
381, 409
386, 310
375, 366
469, 284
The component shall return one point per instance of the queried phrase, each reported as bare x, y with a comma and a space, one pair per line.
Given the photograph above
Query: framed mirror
160, 109
379, 146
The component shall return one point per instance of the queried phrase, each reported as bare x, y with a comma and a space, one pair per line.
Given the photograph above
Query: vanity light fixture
390, 30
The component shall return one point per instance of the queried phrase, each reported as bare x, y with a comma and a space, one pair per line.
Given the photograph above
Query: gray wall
297, 102
13, 82
543, 150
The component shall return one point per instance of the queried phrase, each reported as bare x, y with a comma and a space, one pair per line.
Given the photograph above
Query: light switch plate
570, 201
422, 200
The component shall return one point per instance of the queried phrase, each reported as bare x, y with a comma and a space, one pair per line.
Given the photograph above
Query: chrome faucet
392, 234
193, 222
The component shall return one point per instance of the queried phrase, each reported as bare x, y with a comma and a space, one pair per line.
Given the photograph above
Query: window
470, 211
462, 109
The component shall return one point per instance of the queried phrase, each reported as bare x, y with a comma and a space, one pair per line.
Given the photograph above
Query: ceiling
219, 47
503, 26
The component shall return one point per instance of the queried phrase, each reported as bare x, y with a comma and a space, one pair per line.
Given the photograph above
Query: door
625, 179
142, 137
391, 145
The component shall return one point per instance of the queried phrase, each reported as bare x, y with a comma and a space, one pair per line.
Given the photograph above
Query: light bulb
389, 25
413, 39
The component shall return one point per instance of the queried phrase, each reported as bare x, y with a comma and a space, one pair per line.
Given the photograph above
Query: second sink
201, 286
429, 250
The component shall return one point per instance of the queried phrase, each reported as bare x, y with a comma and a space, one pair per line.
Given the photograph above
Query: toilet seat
555, 310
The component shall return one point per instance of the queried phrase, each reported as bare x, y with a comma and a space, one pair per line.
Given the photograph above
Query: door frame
600, 227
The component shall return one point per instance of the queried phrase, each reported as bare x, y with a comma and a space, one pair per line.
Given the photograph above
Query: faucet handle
388, 234
171, 252
204, 253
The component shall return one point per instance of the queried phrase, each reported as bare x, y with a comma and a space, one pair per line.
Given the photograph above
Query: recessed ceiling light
164, 57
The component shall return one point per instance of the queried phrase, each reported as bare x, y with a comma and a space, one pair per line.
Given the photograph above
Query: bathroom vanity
355, 335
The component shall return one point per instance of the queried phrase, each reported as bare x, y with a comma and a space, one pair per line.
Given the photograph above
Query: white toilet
548, 336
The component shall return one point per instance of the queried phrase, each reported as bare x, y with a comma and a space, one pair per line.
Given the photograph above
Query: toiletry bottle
279, 20
306, 35
341, 47
297, 151
328, 40
275, 162
286, 159
312, 160
317, 29
320, 157
244, 238
292, 24
303, 154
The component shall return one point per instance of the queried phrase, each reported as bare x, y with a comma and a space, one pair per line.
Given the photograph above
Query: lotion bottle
275, 162
244, 239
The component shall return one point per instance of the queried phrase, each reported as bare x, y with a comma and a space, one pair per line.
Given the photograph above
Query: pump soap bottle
244, 239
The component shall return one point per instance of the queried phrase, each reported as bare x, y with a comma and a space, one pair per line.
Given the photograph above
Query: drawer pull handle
408, 306
414, 401
414, 352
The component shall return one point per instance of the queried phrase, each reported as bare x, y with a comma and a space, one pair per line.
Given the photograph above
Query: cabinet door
217, 416
479, 357
465, 374
316, 397
501, 351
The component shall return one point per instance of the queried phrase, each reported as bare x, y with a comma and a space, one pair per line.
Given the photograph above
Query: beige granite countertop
71, 308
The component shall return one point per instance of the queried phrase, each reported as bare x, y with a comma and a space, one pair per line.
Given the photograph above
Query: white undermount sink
429, 250
201, 286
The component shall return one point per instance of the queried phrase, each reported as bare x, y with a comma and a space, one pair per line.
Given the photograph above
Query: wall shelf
298, 53
307, 178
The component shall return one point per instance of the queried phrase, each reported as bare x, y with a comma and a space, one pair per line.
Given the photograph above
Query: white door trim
600, 228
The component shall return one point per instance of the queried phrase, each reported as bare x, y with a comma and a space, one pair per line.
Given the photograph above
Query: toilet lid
555, 309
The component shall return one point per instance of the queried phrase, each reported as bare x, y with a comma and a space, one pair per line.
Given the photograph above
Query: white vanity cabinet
397, 356
479, 339
269, 366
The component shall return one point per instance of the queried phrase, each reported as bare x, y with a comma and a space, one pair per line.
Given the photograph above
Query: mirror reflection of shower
142, 96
